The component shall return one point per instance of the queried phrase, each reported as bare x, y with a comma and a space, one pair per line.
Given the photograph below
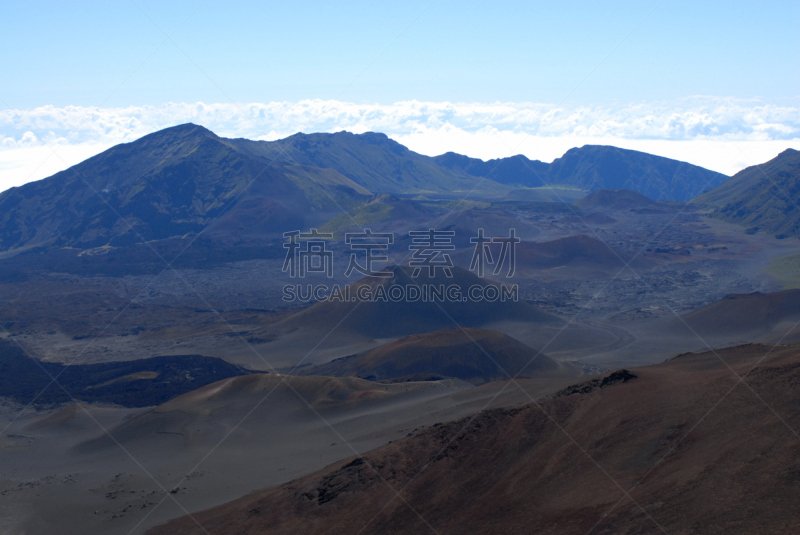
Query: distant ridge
594, 167
514, 170
169, 183
185, 180
372, 160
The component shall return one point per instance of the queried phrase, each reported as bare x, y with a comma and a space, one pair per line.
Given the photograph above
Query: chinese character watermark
368, 242
482, 254
428, 246
307, 252
315, 258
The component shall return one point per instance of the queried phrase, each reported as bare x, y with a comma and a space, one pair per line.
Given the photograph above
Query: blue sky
68, 53
704, 72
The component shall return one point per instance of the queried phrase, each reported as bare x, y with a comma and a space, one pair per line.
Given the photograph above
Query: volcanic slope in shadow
518, 470
378, 318
139, 383
473, 355
337, 328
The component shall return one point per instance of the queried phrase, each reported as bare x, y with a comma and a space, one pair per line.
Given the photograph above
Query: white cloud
724, 134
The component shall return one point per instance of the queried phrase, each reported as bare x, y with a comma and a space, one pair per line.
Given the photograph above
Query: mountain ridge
371, 159
596, 167
185, 180
761, 197
169, 183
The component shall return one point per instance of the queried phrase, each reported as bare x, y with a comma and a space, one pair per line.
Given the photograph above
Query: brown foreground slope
656, 453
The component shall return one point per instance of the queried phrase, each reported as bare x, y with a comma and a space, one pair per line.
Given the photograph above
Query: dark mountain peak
383, 141
606, 152
454, 158
516, 170
450, 159
343, 136
312, 145
377, 138
187, 127
184, 131
611, 151
603, 148
787, 157
594, 167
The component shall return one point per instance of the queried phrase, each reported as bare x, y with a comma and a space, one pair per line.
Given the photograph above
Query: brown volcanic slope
738, 314
223, 404
473, 355
734, 469
280, 440
389, 319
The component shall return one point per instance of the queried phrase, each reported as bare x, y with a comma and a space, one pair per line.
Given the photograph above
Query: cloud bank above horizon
723, 134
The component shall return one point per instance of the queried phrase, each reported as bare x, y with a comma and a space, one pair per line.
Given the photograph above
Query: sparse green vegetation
466, 204
763, 198
787, 270
549, 193
359, 217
